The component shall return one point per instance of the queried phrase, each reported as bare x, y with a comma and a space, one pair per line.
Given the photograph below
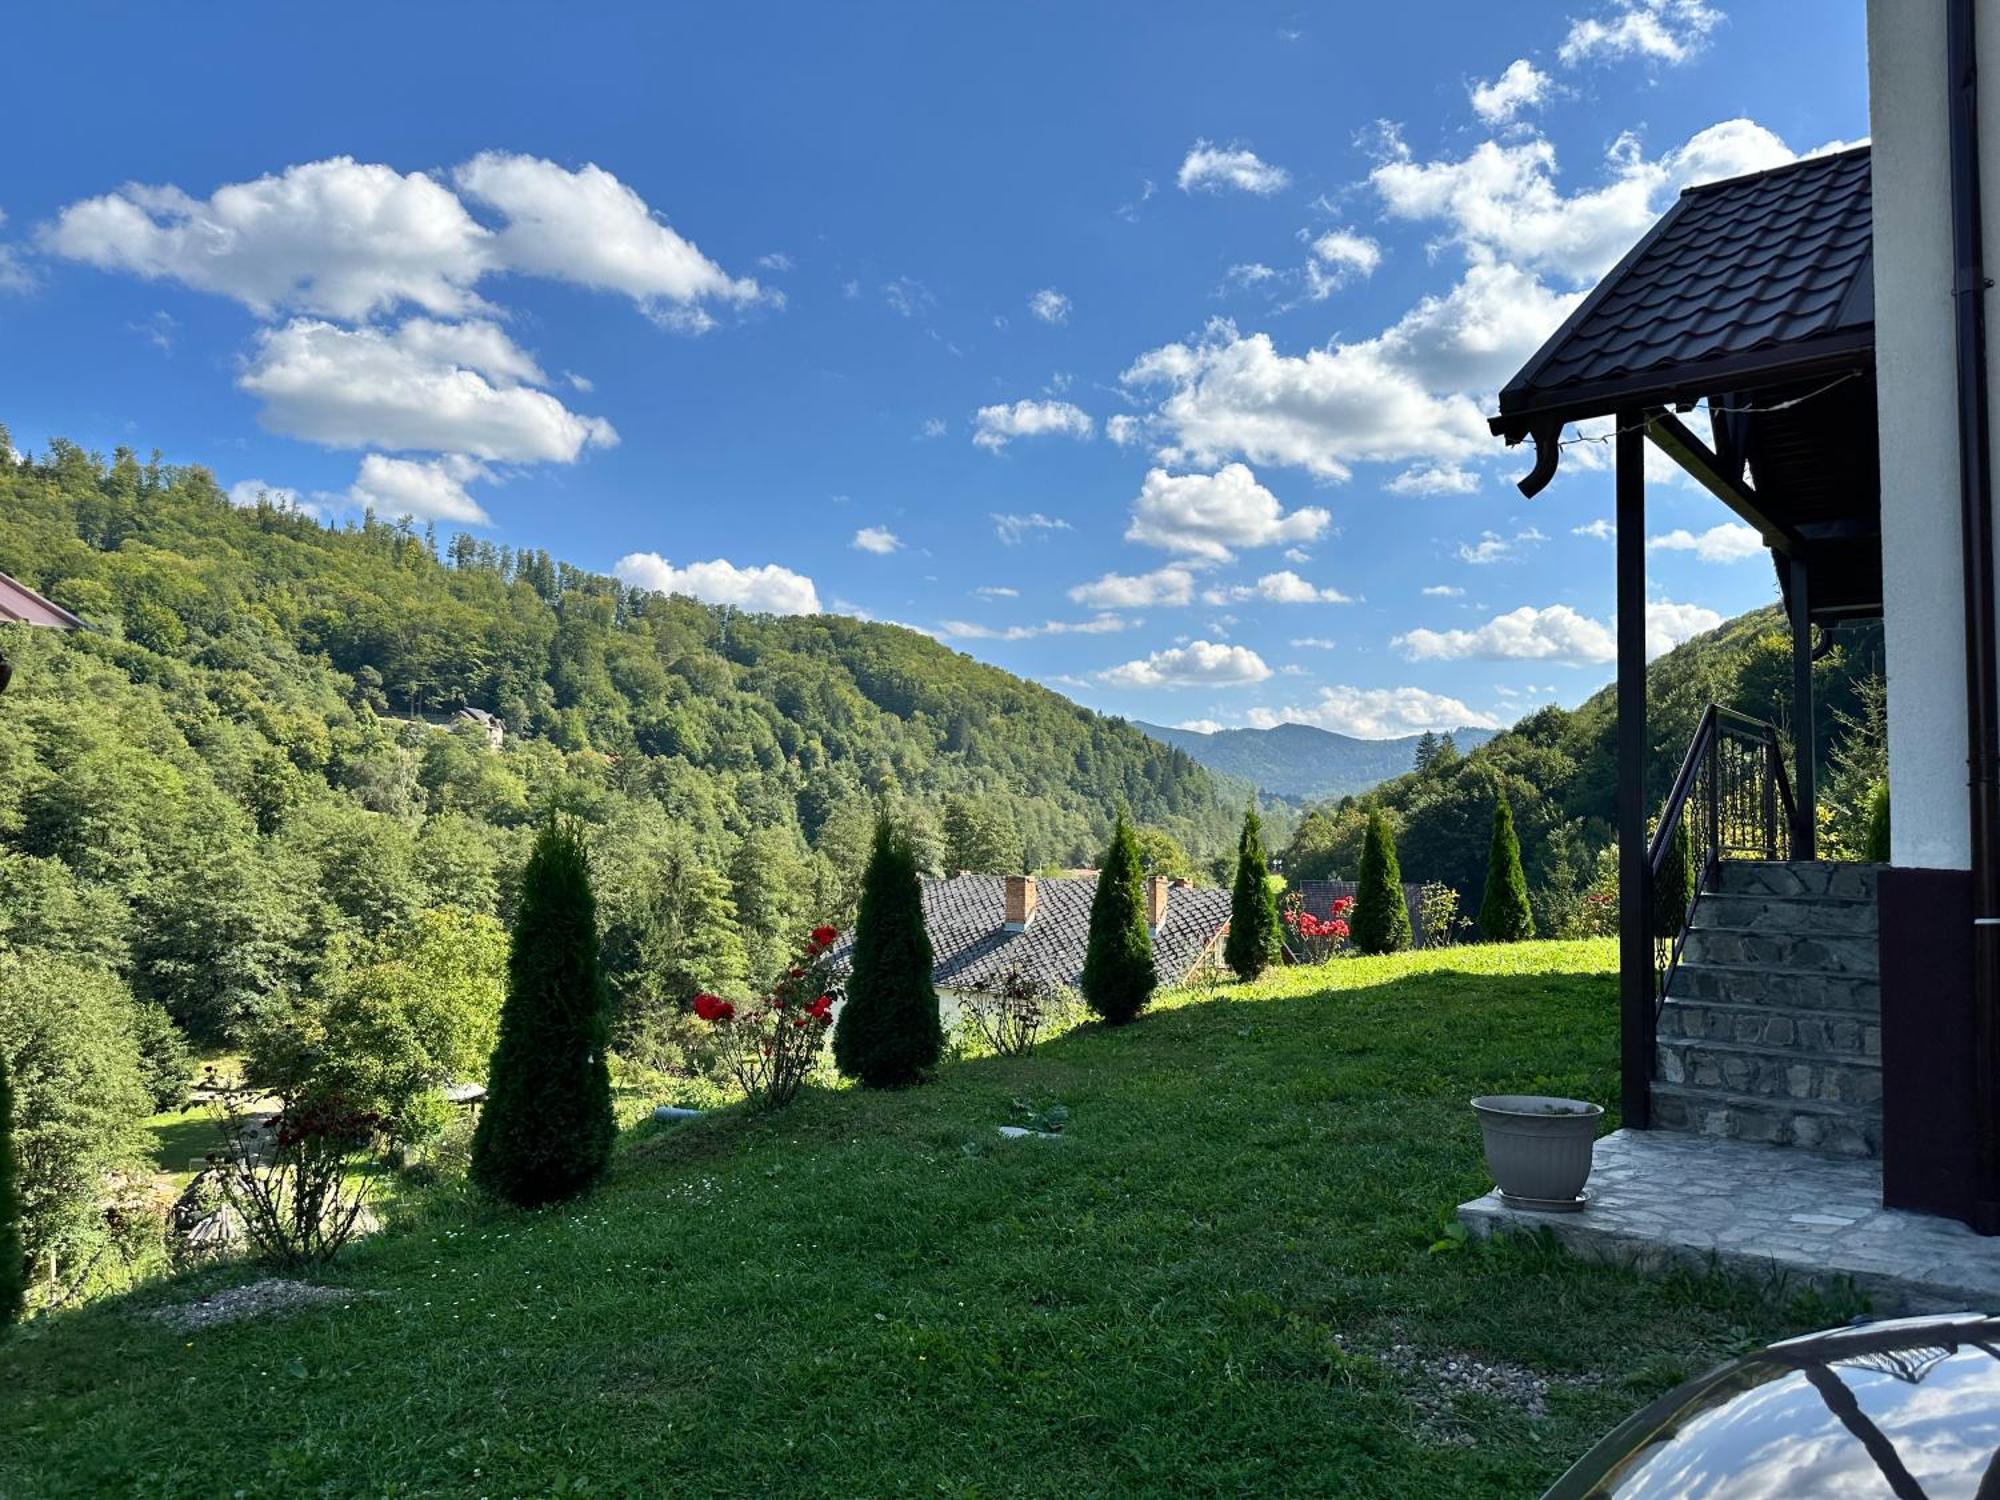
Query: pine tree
1118, 976
1504, 915
1381, 920
1427, 749
545, 1132
889, 1034
1253, 944
13, 1260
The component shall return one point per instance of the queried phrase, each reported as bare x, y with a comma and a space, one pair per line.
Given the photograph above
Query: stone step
1767, 913
1794, 952
1793, 989
1836, 1129
1795, 877
1773, 1027
1790, 1074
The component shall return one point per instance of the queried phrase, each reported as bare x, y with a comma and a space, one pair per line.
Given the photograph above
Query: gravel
252, 1300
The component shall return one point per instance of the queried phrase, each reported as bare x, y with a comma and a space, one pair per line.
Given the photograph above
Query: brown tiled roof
966, 915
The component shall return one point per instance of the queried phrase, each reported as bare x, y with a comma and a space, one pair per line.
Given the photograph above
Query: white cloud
1434, 479
1014, 529
1669, 31
971, 630
1213, 169
1208, 515
1729, 542
1443, 591
1123, 429
1556, 634
934, 427
1050, 305
1521, 86
877, 539
1312, 643
342, 238
1376, 713
1169, 586
421, 386
1338, 257
997, 591
423, 490
769, 589
1297, 555
1197, 664
1600, 530
1492, 547
996, 426
1200, 726
777, 260
907, 297
587, 227
246, 493
1285, 587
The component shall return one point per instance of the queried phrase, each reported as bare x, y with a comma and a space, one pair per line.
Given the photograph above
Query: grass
874, 1295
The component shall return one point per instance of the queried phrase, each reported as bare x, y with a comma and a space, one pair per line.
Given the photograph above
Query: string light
1731, 411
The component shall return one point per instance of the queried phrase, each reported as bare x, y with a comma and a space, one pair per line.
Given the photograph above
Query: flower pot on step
1538, 1148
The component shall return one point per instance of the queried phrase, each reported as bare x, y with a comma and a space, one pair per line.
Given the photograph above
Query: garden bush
890, 1034
1504, 915
1118, 976
1381, 921
1254, 942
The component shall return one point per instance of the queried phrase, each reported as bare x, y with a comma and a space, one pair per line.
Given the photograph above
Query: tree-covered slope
1302, 761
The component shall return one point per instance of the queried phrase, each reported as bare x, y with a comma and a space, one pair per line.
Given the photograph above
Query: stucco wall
1924, 621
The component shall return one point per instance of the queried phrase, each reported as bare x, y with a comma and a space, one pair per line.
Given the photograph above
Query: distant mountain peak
1303, 762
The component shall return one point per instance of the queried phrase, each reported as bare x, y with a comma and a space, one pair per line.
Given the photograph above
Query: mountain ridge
1302, 762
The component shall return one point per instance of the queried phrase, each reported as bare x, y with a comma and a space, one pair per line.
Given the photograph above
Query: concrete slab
1660, 1198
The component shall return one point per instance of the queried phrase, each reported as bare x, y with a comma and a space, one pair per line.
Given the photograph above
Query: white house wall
1923, 597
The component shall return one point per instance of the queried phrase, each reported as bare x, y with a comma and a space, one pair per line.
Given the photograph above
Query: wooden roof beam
1701, 463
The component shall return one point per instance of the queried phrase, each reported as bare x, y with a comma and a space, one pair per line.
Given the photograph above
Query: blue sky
1138, 350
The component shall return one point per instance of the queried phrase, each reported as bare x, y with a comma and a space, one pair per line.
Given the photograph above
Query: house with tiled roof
983, 926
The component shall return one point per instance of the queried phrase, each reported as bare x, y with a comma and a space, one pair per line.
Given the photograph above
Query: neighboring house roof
477, 716
21, 605
966, 919
1741, 281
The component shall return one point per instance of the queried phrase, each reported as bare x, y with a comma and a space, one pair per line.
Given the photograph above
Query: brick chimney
1156, 903
1020, 902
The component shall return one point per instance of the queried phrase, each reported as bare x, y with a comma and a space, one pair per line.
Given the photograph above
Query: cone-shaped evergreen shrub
1877, 851
889, 1034
545, 1131
13, 1270
1253, 944
1381, 919
1673, 887
1504, 916
1118, 966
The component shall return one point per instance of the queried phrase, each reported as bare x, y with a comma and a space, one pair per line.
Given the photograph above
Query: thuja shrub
546, 1130
1118, 975
1381, 920
1504, 916
889, 1034
773, 1044
1254, 942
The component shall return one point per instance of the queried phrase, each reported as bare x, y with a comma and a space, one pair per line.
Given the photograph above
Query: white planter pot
1538, 1148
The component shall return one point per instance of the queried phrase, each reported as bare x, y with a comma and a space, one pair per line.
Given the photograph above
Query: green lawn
874, 1295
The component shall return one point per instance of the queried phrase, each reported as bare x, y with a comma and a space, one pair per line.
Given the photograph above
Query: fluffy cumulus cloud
1376, 713
1522, 86
1163, 587
994, 427
424, 490
1599, 530
1434, 479
1210, 515
1443, 591
246, 493
768, 590
1050, 305
587, 227
971, 630
1729, 542
1285, 587
1200, 726
1209, 168
1197, 664
877, 539
1670, 31
422, 386
1338, 257
1493, 547
351, 240
1556, 634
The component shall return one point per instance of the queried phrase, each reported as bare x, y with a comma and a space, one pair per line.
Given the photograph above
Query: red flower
823, 936
818, 1009
713, 1008
796, 973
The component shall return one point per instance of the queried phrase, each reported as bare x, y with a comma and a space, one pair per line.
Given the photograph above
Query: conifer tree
13, 1268
889, 1034
1381, 920
1253, 944
545, 1132
1118, 977
1504, 916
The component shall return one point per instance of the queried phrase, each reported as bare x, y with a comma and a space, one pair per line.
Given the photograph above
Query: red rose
820, 1007
823, 936
713, 1008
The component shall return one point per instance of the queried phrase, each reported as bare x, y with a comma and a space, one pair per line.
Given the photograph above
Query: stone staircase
1771, 1029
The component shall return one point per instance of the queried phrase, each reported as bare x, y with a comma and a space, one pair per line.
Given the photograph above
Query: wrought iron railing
1731, 800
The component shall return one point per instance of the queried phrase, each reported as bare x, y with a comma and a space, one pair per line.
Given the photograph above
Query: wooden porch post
1635, 882
1804, 837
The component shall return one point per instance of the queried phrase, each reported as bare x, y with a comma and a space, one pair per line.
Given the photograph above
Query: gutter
1975, 482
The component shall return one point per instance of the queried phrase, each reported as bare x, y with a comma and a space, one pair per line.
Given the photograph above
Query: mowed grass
875, 1295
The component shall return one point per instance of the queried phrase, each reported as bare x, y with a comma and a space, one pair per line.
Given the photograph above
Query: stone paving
1660, 1197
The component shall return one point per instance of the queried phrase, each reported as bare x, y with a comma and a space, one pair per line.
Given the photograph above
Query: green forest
235, 813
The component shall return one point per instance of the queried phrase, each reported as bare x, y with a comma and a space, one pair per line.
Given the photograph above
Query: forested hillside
1557, 768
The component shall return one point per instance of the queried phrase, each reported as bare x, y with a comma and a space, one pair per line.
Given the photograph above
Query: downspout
1975, 485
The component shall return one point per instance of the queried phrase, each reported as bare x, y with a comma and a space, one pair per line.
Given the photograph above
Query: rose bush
1315, 939
772, 1044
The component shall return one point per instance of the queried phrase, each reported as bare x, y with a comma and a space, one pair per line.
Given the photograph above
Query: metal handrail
1734, 776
